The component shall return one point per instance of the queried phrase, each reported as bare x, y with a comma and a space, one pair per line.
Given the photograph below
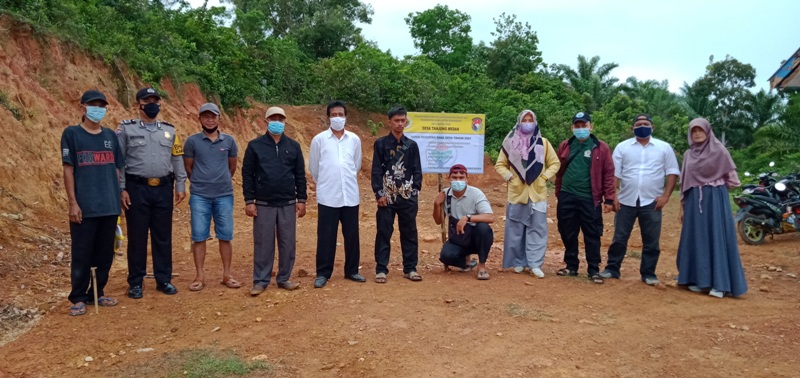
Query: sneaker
320, 282
289, 285
518, 269
608, 274
257, 289
716, 293
694, 288
537, 272
652, 281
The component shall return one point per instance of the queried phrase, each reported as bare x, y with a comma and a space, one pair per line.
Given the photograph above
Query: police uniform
153, 166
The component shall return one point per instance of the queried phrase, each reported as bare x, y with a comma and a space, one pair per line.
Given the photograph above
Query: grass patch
199, 363
6, 103
635, 254
518, 311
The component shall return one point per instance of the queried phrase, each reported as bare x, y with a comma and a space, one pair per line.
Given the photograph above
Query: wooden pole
94, 286
444, 217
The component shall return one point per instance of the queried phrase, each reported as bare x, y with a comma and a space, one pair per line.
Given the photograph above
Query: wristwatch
469, 218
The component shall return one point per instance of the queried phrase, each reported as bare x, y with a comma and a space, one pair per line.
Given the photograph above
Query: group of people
142, 170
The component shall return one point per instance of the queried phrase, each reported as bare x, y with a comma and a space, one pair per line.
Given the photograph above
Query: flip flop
77, 309
597, 278
380, 278
231, 283
197, 286
104, 302
413, 276
483, 275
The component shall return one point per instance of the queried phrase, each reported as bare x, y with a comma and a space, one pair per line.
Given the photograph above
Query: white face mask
337, 123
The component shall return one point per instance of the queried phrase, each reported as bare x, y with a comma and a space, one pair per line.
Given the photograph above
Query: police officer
154, 164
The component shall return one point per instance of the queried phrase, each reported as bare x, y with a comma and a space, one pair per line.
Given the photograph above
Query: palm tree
591, 80
657, 98
764, 108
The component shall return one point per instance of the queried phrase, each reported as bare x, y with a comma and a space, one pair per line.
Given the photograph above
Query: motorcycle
768, 210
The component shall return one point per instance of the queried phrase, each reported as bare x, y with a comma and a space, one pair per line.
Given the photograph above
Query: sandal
567, 272
77, 309
483, 275
471, 265
231, 283
597, 278
413, 276
197, 286
104, 302
380, 278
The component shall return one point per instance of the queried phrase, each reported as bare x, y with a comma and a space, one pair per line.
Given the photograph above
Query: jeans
203, 209
650, 225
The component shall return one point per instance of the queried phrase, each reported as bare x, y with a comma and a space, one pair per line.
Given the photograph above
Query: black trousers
650, 226
327, 228
92, 246
481, 242
150, 210
406, 211
577, 214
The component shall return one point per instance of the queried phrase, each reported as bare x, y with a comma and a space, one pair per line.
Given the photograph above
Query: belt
151, 181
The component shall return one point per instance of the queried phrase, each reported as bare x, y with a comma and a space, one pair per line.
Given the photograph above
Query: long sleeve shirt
334, 164
396, 168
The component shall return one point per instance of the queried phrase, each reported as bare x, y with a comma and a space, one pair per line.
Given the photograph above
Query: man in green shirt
584, 183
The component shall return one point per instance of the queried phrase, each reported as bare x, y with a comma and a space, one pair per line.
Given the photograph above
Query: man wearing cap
585, 189
640, 165
334, 162
469, 214
210, 160
91, 158
396, 182
153, 167
274, 185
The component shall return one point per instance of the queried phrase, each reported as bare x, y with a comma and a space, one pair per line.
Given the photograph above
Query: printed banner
445, 139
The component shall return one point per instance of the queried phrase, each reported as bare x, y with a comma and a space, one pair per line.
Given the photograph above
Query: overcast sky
648, 39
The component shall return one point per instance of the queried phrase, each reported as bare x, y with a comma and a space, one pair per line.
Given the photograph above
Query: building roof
788, 75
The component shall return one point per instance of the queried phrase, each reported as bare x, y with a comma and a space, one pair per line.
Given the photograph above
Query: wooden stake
94, 286
444, 217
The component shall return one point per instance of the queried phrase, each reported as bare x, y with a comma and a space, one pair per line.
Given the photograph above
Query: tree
764, 108
320, 27
592, 81
442, 35
514, 50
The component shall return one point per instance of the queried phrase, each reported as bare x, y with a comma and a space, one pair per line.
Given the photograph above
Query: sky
657, 40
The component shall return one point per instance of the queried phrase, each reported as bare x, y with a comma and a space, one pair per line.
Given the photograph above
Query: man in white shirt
334, 162
640, 165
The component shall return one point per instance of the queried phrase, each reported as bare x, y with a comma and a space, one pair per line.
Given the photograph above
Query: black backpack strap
447, 201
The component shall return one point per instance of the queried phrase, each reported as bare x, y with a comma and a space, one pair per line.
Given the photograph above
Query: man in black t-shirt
91, 158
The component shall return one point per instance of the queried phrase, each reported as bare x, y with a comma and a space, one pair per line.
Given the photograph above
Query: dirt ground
449, 324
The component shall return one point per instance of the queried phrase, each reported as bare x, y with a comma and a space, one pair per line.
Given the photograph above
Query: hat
92, 95
642, 115
582, 117
458, 168
209, 107
147, 92
275, 110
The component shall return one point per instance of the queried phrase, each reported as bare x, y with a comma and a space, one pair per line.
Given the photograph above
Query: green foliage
514, 51
374, 127
591, 80
442, 35
6, 103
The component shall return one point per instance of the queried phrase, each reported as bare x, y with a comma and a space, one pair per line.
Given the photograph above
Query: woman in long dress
708, 256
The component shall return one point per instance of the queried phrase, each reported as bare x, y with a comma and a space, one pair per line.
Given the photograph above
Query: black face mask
210, 131
151, 110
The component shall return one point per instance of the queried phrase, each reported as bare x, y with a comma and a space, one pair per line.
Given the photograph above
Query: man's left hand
301, 209
661, 201
179, 196
460, 225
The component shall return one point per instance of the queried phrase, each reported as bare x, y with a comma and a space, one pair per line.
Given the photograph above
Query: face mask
581, 133
642, 132
210, 131
151, 110
458, 185
337, 123
275, 127
95, 113
527, 127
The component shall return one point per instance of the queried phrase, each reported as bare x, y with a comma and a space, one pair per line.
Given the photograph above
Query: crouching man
469, 214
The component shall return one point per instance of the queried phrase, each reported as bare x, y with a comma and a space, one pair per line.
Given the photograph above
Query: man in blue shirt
210, 160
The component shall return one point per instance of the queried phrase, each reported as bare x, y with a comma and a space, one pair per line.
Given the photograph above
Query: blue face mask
275, 127
642, 132
95, 113
458, 185
582, 133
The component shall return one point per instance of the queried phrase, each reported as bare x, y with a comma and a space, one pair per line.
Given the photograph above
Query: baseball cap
581, 116
209, 107
92, 95
275, 110
458, 168
642, 116
147, 92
